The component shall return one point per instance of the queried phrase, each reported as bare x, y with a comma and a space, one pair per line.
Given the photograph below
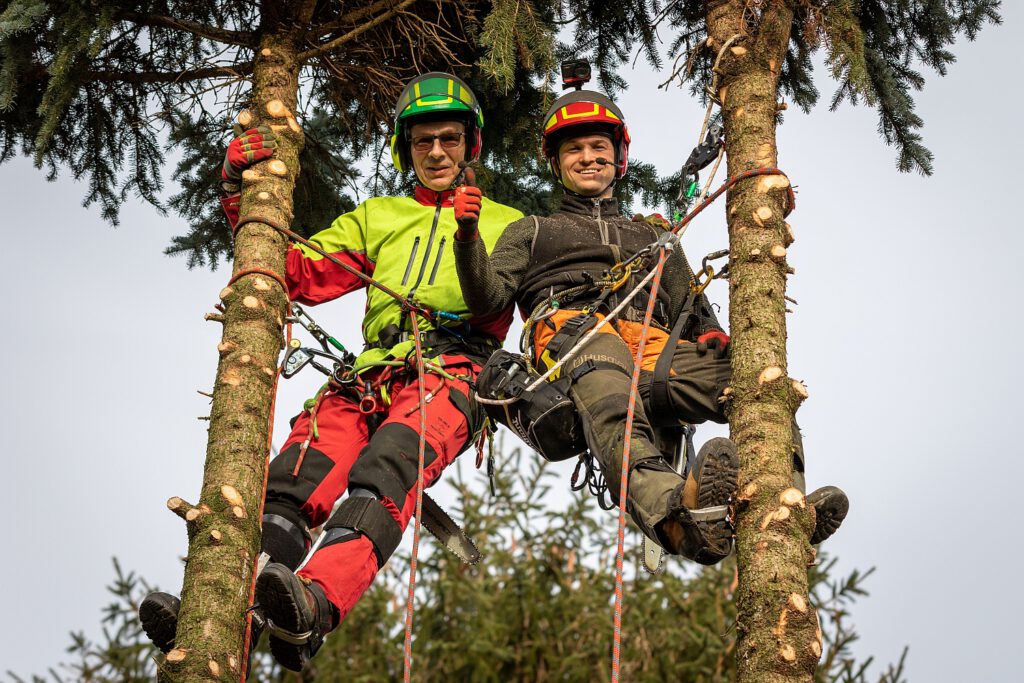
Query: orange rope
277, 277
624, 478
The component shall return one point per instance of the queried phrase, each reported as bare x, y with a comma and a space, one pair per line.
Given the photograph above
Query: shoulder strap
661, 403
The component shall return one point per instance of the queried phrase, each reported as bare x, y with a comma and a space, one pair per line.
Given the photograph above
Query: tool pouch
544, 418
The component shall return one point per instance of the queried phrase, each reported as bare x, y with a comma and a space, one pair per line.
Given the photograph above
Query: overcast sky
906, 333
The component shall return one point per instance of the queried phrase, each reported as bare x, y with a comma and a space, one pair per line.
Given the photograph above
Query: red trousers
346, 456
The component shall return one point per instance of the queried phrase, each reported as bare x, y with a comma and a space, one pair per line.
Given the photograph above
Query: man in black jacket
560, 270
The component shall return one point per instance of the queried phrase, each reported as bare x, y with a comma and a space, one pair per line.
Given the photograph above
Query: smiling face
437, 165
581, 172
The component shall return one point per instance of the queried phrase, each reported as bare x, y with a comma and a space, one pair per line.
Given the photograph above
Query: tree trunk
224, 529
777, 630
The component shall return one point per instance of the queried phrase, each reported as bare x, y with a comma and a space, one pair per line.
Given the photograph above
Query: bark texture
777, 629
224, 528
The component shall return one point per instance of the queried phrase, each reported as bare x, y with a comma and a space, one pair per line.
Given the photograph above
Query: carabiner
368, 401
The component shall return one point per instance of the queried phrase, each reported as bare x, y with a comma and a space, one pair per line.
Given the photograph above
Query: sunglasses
424, 143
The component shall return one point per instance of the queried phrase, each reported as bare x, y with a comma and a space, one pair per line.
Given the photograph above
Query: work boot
158, 613
830, 508
696, 525
298, 616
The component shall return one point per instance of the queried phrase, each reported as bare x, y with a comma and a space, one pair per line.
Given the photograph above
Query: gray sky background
905, 333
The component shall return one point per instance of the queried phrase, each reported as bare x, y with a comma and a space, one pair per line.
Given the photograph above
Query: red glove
468, 200
255, 144
230, 204
715, 341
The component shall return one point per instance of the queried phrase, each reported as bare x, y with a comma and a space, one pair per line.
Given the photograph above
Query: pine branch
234, 70
216, 34
354, 33
353, 17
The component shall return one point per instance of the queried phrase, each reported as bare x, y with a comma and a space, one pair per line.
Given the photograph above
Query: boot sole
717, 472
159, 616
280, 604
830, 508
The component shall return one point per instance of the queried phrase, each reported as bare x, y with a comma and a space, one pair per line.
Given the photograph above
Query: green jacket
404, 243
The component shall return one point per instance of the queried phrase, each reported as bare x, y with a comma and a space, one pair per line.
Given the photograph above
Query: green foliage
873, 49
537, 607
515, 32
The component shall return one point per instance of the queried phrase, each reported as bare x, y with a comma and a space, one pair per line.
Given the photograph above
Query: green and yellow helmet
438, 96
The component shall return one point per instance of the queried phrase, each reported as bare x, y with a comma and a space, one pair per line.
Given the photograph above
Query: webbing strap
371, 518
661, 399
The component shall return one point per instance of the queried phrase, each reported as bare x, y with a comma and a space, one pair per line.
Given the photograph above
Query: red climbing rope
624, 477
420, 375
743, 175
407, 303
631, 409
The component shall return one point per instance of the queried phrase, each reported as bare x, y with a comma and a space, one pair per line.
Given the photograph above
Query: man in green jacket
565, 273
363, 436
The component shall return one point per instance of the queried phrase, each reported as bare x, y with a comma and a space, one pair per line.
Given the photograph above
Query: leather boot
696, 525
298, 615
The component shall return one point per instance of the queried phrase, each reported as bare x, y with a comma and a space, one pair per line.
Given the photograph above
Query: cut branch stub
787, 653
214, 668
748, 492
767, 183
778, 252
769, 374
792, 497
277, 109
231, 495
761, 215
177, 655
800, 389
245, 118
195, 513
797, 602
179, 507
277, 167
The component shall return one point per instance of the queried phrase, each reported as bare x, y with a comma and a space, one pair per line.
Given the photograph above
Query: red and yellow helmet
584, 112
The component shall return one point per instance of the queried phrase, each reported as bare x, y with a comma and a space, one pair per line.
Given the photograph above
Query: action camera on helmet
575, 74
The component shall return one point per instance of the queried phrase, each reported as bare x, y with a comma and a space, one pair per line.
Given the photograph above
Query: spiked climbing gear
297, 616
682, 463
698, 525
431, 97
158, 613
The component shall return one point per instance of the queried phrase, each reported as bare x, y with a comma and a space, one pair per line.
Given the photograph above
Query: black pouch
544, 418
